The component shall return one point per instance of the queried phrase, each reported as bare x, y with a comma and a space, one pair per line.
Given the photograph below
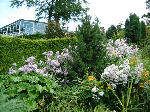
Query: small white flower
94, 96
113, 86
45, 75
94, 90
14, 64
101, 93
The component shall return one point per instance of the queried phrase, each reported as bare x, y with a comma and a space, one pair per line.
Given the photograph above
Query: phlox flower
12, 71
65, 72
59, 70
55, 63
120, 49
94, 90
116, 74
101, 93
30, 59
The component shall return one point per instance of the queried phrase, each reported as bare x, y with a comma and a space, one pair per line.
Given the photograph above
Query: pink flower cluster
54, 64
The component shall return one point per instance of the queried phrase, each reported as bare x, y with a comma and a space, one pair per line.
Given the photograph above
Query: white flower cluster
120, 49
96, 93
137, 72
53, 63
116, 75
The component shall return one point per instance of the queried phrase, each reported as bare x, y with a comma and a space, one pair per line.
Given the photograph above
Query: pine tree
91, 51
133, 28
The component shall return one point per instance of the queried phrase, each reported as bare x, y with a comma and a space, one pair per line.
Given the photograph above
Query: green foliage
148, 4
54, 9
11, 105
112, 30
147, 16
34, 36
143, 30
90, 48
12, 49
35, 90
145, 52
70, 98
120, 34
54, 30
132, 28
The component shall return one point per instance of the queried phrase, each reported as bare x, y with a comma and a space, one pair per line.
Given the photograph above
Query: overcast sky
108, 11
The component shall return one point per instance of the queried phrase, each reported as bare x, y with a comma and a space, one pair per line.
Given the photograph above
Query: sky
109, 12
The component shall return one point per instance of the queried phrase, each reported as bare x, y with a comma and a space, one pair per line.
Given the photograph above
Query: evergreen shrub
91, 51
34, 36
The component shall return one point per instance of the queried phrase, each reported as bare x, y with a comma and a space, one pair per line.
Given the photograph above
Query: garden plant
94, 74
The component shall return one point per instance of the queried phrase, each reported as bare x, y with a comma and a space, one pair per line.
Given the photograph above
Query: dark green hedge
13, 49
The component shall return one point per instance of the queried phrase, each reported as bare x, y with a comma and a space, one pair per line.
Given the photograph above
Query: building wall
21, 27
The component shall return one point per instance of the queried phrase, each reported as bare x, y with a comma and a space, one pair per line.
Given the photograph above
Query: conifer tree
91, 51
133, 28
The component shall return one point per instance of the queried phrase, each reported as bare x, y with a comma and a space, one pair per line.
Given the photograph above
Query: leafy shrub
112, 30
7, 104
13, 49
34, 89
143, 30
70, 98
34, 36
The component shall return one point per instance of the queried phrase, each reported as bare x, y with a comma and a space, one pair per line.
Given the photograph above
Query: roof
23, 20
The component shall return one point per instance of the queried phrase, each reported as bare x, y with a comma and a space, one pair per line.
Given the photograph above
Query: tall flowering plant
126, 73
55, 64
120, 49
129, 65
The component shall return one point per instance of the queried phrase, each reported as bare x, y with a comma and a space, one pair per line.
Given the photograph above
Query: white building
21, 27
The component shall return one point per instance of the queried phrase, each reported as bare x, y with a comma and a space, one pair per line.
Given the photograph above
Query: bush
112, 30
34, 89
13, 49
34, 36
90, 51
8, 104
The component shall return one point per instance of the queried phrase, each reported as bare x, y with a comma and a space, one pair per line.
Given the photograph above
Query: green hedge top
13, 49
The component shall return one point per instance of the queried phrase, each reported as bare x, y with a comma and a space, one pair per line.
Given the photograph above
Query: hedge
13, 49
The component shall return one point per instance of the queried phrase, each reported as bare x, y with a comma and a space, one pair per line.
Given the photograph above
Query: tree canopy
143, 29
148, 4
132, 28
111, 31
147, 16
54, 10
